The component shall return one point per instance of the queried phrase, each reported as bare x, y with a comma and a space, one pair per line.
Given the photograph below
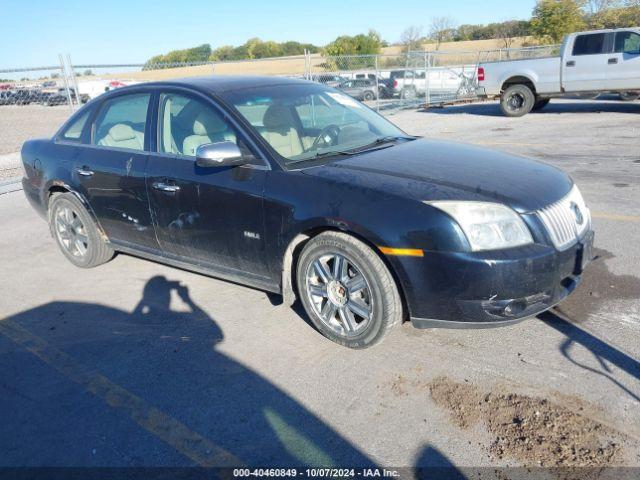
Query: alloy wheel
340, 294
71, 232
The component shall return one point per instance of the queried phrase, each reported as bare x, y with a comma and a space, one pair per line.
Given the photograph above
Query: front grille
561, 219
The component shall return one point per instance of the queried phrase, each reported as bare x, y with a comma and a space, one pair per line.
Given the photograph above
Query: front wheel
517, 100
368, 96
76, 233
347, 290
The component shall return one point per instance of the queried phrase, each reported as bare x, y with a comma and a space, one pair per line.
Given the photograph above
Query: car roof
224, 83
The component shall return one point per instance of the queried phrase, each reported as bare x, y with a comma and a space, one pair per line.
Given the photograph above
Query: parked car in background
26, 96
385, 85
363, 89
412, 83
315, 195
329, 79
589, 63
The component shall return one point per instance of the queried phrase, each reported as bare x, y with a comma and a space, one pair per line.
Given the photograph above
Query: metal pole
213, 68
66, 83
73, 79
427, 69
377, 85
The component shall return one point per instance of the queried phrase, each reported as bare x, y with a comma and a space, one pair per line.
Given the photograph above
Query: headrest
121, 132
277, 117
207, 123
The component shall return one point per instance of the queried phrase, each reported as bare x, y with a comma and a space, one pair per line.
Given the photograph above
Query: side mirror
219, 154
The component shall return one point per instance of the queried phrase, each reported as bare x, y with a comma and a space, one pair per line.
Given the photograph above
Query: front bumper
489, 289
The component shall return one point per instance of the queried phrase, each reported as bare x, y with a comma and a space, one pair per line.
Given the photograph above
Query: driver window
186, 123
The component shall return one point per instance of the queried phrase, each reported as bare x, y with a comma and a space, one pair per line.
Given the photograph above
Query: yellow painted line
166, 428
613, 216
406, 252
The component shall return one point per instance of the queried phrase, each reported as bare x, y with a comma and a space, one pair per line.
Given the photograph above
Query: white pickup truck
589, 62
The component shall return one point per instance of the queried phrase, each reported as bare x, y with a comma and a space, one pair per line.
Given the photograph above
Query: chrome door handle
165, 187
84, 172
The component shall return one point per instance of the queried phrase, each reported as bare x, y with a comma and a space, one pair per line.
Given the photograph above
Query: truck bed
543, 72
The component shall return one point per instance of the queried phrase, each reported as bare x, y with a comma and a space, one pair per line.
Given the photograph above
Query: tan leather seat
207, 128
122, 135
280, 132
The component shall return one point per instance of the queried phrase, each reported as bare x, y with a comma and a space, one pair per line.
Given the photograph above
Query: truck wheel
368, 96
629, 96
409, 93
76, 233
540, 104
347, 290
517, 100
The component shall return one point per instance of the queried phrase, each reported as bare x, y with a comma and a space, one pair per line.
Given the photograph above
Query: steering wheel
328, 136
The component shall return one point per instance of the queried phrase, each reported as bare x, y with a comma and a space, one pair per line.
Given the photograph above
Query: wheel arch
57, 187
297, 243
519, 79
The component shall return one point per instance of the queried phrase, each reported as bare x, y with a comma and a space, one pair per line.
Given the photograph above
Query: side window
74, 131
592, 44
186, 123
627, 42
121, 122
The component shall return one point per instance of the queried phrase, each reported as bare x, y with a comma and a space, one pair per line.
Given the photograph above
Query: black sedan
298, 189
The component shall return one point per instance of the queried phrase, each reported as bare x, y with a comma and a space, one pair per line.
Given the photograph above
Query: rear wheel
368, 96
517, 100
540, 104
76, 233
409, 93
347, 290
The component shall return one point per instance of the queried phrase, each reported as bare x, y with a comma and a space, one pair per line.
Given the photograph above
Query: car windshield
308, 121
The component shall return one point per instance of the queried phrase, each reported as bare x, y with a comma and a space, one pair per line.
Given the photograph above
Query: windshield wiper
322, 155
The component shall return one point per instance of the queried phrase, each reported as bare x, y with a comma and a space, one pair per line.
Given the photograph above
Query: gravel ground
135, 363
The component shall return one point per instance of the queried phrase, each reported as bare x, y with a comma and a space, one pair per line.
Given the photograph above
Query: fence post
427, 74
377, 84
73, 80
213, 68
63, 71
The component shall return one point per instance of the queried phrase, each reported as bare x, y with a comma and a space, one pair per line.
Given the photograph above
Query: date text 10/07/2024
316, 472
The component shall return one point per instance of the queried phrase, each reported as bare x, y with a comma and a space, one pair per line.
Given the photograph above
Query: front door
584, 64
623, 68
211, 216
110, 172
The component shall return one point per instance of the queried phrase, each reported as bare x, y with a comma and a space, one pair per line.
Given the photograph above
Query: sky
34, 32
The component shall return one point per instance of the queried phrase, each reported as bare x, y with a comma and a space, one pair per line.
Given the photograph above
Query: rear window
592, 44
74, 131
627, 42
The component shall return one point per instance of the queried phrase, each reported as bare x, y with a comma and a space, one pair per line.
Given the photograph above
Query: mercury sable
298, 189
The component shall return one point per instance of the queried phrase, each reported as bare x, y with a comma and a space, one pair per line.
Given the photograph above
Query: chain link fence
35, 101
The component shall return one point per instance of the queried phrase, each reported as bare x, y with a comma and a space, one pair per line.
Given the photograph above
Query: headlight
487, 226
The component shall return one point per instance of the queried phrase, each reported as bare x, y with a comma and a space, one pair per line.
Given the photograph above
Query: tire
409, 93
368, 96
70, 223
517, 100
629, 96
540, 104
358, 318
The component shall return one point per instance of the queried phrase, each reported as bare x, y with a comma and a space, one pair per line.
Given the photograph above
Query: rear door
584, 66
212, 216
110, 172
623, 66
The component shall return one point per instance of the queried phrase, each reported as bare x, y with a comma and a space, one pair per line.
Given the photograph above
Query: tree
88, 73
442, 29
506, 33
361, 44
553, 19
411, 37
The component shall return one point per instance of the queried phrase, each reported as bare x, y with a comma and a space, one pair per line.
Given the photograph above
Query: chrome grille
561, 219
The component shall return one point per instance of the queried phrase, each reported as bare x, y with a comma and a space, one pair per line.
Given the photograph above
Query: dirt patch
534, 431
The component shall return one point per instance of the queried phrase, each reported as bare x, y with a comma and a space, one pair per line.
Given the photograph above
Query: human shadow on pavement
601, 350
89, 385
432, 464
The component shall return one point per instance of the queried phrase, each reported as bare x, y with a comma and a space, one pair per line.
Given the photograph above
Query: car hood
428, 170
